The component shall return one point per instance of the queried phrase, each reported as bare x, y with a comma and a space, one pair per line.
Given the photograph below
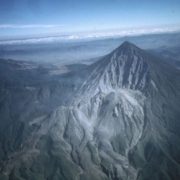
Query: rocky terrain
116, 119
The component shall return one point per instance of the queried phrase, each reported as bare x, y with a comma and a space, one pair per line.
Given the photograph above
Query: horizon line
88, 35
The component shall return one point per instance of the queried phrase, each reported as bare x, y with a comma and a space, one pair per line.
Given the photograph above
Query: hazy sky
26, 17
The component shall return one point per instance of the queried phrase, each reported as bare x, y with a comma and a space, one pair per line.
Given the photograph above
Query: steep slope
125, 67
121, 124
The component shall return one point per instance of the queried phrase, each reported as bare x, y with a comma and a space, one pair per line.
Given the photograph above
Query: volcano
121, 122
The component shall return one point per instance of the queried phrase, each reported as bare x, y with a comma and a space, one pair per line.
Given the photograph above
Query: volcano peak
127, 48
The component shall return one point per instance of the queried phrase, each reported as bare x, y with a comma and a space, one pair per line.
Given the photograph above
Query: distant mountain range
116, 119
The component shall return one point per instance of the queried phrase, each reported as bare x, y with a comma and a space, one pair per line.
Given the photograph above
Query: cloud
91, 34
29, 26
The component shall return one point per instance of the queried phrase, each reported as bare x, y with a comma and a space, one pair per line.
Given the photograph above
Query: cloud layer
86, 35
28, 26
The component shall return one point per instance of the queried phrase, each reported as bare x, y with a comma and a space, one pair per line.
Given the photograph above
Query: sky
46, 17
